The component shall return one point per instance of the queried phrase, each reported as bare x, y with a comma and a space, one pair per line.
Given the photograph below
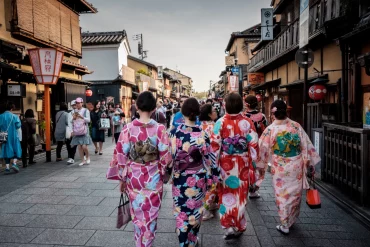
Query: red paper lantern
89, 93
259, 97
317, 92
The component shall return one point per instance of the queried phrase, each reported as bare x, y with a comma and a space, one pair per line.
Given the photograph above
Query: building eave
141, 61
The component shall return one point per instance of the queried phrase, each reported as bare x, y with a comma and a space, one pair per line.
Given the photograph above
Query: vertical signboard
233, 83
160, 73
267, 23
145, 86
304, 23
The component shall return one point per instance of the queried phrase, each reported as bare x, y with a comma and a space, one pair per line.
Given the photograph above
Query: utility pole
142, 53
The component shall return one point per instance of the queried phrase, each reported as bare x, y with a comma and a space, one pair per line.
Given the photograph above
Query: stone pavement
52, 204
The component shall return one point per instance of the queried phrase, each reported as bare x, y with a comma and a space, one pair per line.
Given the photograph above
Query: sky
186, 35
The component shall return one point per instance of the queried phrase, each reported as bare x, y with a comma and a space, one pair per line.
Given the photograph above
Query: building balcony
287, 42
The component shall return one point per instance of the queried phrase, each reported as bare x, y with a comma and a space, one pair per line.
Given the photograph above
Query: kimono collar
137, 123
281, 122
233, 116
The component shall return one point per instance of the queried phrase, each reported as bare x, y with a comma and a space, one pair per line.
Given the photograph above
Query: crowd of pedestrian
215, 156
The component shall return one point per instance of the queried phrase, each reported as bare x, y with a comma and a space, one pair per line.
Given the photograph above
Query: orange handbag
313, 196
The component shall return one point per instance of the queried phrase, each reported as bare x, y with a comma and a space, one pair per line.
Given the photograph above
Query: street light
46, 65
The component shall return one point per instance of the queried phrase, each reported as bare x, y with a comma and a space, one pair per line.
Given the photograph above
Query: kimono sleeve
264, 149
118, 166
210, 160
252, 137
173, 144
165, 157
308, 150
216, 141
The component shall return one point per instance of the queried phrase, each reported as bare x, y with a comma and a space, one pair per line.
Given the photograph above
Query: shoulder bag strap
10, 123
59, 118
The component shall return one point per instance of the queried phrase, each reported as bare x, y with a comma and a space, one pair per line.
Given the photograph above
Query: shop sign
145, 86
267, 22
14, 90
229, 60
256, 78
233, 83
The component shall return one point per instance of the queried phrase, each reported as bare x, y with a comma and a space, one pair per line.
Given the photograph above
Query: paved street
52, 204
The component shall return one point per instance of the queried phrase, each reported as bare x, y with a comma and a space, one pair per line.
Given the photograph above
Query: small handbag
104, 124
313, 197
4, 134
124, 215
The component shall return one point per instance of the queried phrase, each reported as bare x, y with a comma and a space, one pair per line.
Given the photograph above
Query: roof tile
103, 38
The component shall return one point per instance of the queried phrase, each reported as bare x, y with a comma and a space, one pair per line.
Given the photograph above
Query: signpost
267, 22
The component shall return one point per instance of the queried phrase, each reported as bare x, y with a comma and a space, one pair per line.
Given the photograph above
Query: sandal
282, 229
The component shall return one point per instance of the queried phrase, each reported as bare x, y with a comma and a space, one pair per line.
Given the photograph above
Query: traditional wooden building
41, 23
106, 53
275, 60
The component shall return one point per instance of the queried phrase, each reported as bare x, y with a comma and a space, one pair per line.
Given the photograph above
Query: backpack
258, 120
79, 126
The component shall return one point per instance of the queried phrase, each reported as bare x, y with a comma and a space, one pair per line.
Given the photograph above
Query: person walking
141, 173
80, 131
118, 121
235, 144
286, 145
168, 107
69, 129
208, 115
97, 134
110, 113
61, 129
192, 172
259, 119
11, 149
158, 114
133, 111
178, 118
260, 123
28, 137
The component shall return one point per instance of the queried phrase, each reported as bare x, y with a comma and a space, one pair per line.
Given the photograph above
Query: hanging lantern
46, 64
317, 92
88, 92
259, 97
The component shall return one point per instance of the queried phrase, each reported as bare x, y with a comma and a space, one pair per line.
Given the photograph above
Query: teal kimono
12, 148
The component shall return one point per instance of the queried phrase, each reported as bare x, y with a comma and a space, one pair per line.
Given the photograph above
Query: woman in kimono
139, 162
291, 153
192, 171
207, 118
11, 149
235, 143
260, 123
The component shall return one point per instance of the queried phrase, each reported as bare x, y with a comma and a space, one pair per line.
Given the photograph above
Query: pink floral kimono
286, 145
142, 173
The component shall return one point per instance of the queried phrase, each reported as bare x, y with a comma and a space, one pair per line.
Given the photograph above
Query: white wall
103, 60
122, 55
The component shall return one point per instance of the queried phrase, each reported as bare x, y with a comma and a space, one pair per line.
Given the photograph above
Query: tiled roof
103, 38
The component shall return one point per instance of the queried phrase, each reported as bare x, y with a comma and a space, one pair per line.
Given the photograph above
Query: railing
346, 159
288, 39
317, 113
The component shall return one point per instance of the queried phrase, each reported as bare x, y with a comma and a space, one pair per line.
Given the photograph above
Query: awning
298, 82
263, 86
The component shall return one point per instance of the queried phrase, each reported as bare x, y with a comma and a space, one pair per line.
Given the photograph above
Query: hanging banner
256, 78
160, 73
267, 23
304, 19
233, 83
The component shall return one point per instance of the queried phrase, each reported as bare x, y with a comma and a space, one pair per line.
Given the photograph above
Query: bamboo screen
54, 21
25, 20
50, 21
